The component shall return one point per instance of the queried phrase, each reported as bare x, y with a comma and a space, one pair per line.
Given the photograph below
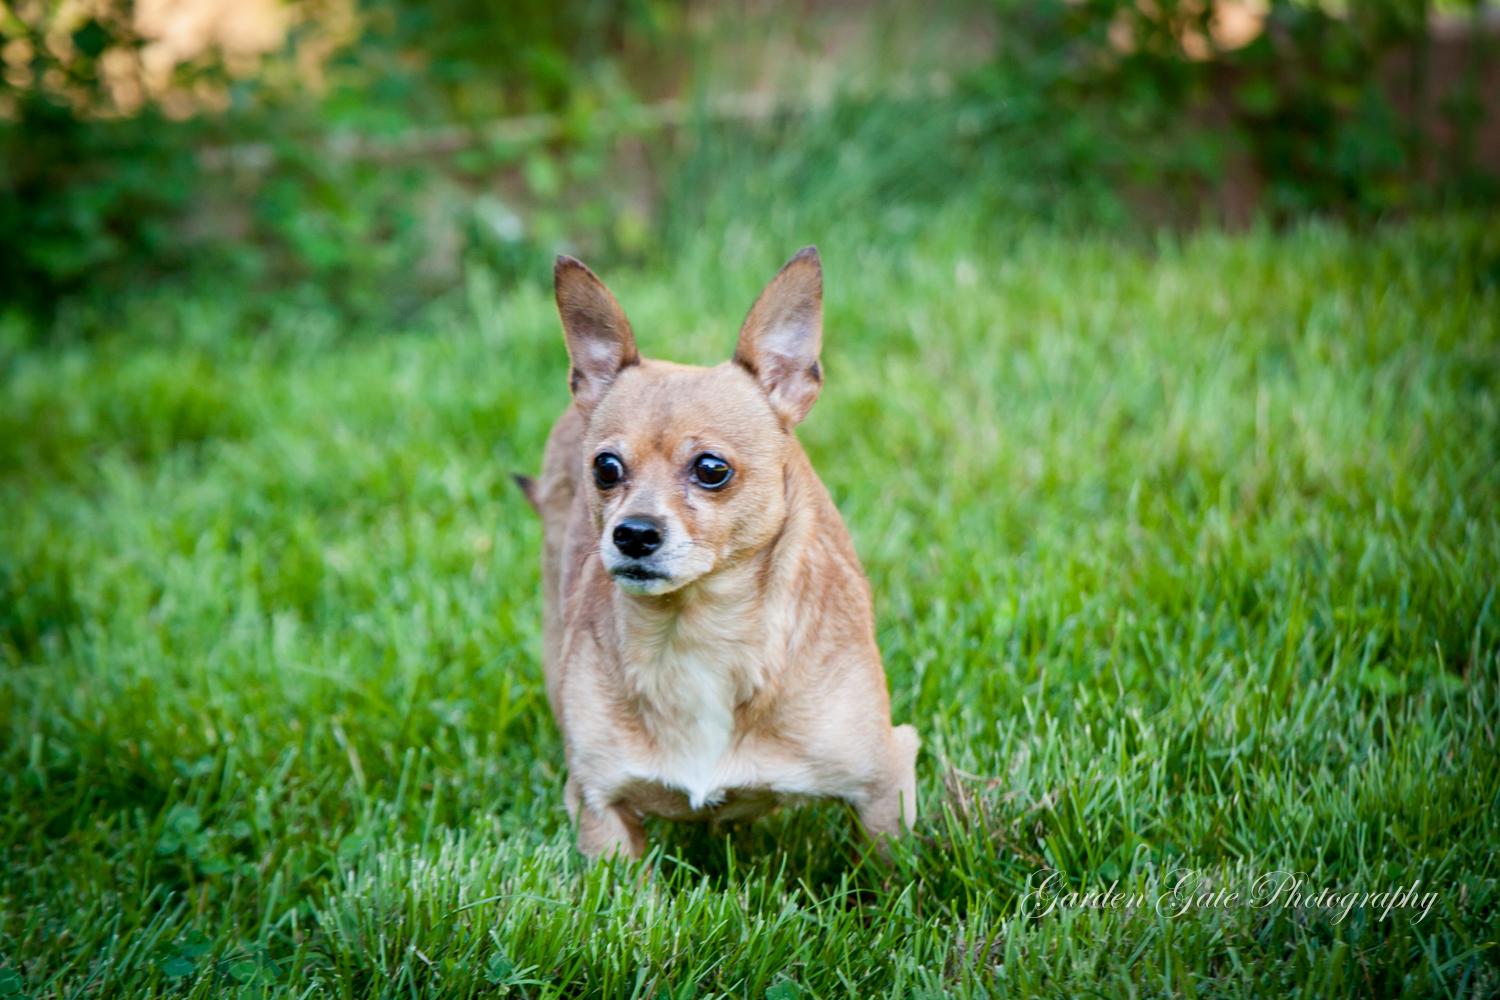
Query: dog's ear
782, 336
600, 343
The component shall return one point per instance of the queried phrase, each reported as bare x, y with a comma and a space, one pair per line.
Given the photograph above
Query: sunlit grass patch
1182, 555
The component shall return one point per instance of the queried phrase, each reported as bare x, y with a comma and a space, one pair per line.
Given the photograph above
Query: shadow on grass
817, 847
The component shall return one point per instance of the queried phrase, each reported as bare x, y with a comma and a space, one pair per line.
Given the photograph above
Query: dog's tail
528, 487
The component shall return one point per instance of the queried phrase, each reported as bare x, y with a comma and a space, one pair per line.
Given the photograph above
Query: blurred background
365, 156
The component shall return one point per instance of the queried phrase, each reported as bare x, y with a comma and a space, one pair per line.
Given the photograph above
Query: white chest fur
689, 700
688, 673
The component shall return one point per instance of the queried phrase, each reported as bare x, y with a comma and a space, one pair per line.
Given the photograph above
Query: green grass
1183, 554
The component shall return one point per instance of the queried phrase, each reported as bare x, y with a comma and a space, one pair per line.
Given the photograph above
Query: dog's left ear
781, 338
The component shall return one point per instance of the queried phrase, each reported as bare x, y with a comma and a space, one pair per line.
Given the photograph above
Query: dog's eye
608, 470
711, 472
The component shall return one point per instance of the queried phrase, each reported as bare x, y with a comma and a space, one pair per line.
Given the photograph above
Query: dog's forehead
657, 403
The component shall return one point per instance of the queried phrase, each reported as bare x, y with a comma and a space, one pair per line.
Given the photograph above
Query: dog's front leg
612, 830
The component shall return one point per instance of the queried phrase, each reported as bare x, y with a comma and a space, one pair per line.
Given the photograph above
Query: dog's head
685, 466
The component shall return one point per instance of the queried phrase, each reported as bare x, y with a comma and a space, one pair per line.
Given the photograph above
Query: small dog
710, 645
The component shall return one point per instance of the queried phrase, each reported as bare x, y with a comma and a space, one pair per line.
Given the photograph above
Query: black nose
638, 537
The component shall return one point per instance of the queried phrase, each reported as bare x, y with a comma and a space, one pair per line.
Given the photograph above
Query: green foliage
1316, 99
343, 232
476, 59
95, 198
1330, 108
79, 197
1182, 553
369, 196
79, 201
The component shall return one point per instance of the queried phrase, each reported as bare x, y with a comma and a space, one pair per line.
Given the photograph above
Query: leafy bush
96, 192
1099, 111
469, 59
78, 199
1332, 111
82, 189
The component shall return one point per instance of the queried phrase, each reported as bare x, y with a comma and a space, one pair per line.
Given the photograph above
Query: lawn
1184, 555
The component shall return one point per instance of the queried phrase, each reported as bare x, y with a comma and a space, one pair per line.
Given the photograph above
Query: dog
709, 638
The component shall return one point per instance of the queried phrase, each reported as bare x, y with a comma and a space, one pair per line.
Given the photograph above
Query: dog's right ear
600, 342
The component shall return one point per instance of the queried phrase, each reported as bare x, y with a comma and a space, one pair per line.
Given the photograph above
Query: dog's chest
688, 690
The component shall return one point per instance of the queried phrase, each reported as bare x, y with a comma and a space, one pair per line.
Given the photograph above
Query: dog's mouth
633, 578
637, 574
657, 573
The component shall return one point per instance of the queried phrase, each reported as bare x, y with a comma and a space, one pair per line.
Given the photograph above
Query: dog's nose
638, 537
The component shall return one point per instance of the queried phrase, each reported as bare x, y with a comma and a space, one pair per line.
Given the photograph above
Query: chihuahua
709, 640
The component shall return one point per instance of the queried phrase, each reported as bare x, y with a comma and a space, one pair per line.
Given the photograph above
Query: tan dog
710, 646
